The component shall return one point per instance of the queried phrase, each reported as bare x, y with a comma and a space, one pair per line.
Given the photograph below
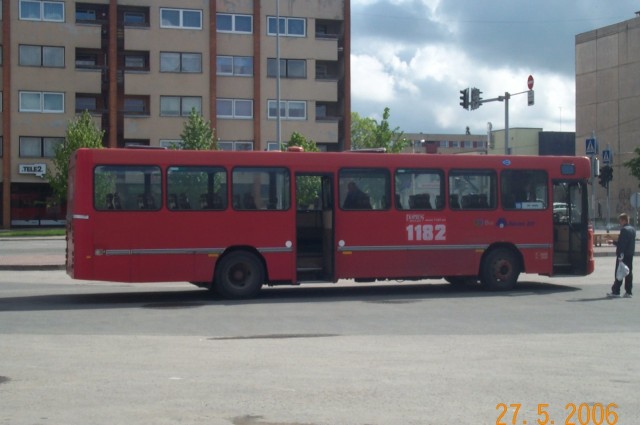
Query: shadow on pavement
193, 298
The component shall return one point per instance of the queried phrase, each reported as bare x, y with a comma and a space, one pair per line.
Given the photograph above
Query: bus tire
500, 270
239, 275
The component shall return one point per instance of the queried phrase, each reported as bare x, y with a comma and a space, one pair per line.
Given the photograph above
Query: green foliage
634, 165
307, 187
81, 133
367, 133
197, 134
298, 139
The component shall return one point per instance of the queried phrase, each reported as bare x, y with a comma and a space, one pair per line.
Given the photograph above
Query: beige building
140, 66
608, 105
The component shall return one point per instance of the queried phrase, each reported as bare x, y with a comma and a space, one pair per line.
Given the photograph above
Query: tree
634, 164
197, 133
298, 139
367, 133
81, 133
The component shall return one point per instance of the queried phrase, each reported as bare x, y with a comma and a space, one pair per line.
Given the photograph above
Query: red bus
233, 221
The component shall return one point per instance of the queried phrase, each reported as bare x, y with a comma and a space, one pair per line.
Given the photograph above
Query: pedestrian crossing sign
591, 147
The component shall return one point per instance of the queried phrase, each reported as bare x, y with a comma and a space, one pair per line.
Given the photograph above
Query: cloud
414, 56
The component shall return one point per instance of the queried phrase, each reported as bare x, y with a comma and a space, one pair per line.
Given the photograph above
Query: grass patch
32, 232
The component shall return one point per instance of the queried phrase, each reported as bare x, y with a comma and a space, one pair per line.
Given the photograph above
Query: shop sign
37, 169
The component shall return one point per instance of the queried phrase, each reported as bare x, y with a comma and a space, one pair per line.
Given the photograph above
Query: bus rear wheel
239, 275
500, 270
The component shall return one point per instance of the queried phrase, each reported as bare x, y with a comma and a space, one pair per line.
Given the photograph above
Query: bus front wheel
500, 270
239, 275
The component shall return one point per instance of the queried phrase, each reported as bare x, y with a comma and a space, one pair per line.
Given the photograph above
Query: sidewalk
57, 261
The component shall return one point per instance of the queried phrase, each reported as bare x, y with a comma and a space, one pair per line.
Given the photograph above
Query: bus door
314, 227
570, 227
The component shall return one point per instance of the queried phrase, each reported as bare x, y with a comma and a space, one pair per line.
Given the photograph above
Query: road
75, 352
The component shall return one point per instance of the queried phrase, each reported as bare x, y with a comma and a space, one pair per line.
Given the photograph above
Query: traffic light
606, 175
464, 99
476, 100
602, 178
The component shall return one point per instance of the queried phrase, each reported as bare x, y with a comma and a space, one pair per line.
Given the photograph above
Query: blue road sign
591, 146
606, 156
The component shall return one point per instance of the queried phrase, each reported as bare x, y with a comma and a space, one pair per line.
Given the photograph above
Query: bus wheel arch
240, 272
500, 267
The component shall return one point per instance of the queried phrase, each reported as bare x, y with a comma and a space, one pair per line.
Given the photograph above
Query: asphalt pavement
24, 261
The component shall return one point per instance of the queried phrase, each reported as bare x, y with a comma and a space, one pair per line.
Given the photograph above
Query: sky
414, 56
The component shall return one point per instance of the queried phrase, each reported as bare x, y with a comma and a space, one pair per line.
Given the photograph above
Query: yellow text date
575, 414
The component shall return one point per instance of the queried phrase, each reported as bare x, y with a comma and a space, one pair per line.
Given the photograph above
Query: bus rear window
128, 188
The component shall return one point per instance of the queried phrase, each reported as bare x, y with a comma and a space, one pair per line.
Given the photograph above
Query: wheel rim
239, 275
502, 270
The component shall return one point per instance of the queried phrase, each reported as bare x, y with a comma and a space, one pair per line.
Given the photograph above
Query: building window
45, 56
171, 143
91, 13
32, 10
242, 24
234, 108
289, 27
180, 62
289, 68
89, 102
175, 106
273, 146
228, 145
46, 102
89, 59
136, 105
135, 16
180, 18
289, 109
39, 147
136, 61
234, 65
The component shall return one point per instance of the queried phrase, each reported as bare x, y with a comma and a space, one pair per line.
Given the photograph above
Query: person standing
625, 247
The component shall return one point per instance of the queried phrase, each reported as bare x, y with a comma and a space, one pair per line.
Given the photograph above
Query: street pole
506, 123
278, 118
608, 193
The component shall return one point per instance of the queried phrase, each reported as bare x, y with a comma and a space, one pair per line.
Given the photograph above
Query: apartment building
140, 66
608, 107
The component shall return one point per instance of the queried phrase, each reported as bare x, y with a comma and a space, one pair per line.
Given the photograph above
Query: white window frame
42, 148
234, 107
273, 146
285, 107
42, 96
234, 145
171, 143
42, 55
42, 5
286, 21
181, 24
232, 60
233, 29
181, 56
181, 99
